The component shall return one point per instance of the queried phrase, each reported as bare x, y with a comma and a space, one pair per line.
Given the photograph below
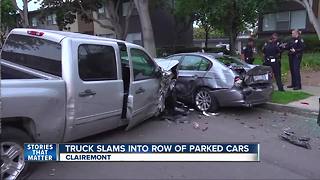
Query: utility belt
271, 59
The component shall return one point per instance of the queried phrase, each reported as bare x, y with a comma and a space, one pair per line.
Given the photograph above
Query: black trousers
249, 60
294, 63
276, 68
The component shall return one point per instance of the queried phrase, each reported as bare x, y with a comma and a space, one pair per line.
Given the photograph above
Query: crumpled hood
165, 64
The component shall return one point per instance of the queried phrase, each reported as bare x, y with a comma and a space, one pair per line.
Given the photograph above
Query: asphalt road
279, 159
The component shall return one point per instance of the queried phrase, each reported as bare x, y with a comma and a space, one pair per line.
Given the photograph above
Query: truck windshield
33, 52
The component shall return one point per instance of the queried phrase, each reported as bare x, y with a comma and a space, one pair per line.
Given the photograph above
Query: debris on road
204, 129
305, 103
298, 141
237, 119
191, 109
205, 113
196, 125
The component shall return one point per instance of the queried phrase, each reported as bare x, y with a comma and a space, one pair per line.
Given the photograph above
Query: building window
34, 22
102, 13
284, 21
298, 19
52, 19
135, 38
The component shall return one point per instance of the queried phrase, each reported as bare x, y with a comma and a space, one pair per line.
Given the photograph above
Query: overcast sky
31, 6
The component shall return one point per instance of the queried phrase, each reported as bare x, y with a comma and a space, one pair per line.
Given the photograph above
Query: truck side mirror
158, 72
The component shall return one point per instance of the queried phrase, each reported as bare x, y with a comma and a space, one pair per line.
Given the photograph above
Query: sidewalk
311, 103
307, 107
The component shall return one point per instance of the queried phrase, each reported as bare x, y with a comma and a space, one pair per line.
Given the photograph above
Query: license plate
264, 77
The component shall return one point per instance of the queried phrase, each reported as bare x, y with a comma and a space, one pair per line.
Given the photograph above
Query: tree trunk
146, 26
312, 18
25, 14
232, 40
206, 40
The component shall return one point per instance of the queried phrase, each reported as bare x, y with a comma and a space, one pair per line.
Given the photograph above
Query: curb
289, 109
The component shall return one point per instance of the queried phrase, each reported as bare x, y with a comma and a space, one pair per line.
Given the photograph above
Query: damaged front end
169, 74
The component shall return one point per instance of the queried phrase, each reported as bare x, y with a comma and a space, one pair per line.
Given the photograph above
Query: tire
12, 139
205, 101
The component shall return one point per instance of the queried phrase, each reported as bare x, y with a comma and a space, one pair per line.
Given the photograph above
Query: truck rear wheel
12, 163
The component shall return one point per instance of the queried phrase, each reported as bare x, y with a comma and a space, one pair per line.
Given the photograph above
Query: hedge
167, 51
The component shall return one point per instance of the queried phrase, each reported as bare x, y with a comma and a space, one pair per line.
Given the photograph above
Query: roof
57, 36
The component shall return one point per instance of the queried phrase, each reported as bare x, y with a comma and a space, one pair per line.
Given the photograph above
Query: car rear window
33, 52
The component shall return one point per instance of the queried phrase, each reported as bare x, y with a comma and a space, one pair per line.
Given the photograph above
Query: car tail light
35, 33
237, 81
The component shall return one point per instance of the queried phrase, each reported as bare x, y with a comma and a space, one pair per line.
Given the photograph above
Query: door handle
140, 90
87, 92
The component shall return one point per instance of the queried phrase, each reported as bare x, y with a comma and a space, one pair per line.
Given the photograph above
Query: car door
144, 88
192, 69
97, 88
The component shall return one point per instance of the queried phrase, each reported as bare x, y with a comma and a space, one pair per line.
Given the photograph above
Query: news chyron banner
142, 152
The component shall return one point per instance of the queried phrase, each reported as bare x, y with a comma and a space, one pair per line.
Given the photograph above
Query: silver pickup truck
60, 86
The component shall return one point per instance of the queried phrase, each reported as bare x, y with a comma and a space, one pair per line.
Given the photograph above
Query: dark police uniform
295, 60
247, 51
272, 52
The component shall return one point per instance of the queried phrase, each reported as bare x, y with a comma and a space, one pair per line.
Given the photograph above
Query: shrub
166, 51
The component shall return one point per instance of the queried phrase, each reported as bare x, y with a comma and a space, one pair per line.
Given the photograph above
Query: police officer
271, 52
247, 52
295, 47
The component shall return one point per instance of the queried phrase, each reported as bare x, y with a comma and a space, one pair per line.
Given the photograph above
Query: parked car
60, 86
209, 81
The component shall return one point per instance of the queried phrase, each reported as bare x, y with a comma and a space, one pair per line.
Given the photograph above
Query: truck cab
61, 86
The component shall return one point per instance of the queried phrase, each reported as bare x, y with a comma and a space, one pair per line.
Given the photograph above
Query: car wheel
204, 101
12, 162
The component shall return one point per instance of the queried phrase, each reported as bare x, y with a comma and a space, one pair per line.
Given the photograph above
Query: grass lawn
288, 96
310, 61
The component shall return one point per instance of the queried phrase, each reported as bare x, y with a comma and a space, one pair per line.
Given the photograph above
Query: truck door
144, 89
96, 88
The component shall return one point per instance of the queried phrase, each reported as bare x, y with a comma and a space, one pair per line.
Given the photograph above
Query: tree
67, 10
234, 16
308, 4
146, 26
7, 18
22, 12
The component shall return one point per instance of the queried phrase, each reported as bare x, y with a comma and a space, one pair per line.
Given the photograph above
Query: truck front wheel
12, 162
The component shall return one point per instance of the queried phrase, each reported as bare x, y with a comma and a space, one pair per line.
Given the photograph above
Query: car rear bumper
243, 96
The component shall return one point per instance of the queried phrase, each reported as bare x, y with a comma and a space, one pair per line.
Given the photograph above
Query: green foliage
199, 33
288, 96
66, 10
7, 15
166, 51
230, 17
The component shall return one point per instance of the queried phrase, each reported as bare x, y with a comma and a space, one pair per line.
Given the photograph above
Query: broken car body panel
218, 73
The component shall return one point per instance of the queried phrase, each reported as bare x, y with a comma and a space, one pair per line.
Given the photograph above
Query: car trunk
259, 75
258, 84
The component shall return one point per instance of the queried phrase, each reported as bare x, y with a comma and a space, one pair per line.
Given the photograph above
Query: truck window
97, 62
33, 52
143, 66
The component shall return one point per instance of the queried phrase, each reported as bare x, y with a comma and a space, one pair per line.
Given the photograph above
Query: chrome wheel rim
203, 100
12, 162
